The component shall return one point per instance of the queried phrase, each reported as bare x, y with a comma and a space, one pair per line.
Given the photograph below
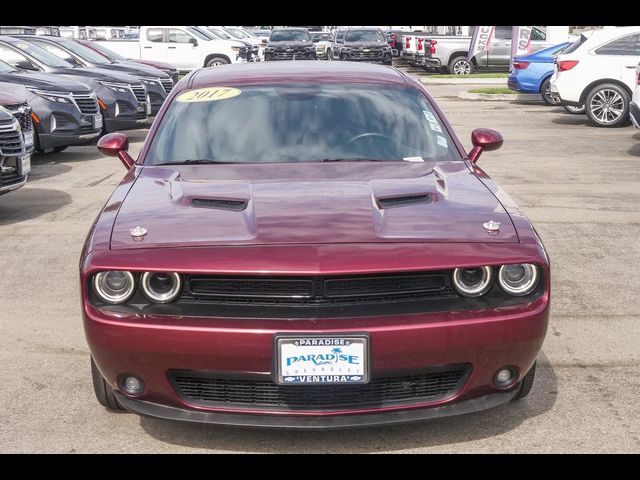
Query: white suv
599, 72
634, 109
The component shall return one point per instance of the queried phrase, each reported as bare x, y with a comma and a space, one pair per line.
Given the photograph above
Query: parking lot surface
577, 183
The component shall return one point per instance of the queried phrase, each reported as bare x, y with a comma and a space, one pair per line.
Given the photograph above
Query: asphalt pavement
580, 186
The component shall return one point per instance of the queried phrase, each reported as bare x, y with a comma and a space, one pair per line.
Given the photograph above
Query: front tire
104, 393
545, 91
526, 383
217, 62
607, 106
460, 66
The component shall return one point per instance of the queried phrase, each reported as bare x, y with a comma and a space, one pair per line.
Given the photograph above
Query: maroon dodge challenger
308, 245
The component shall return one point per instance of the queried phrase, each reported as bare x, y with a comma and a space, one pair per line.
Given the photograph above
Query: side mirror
26, 65
116, 145
193, 41
265, 41
484, 139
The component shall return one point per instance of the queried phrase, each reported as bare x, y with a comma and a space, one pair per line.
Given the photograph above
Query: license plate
330, 359
97, 121
28, 139
147, 108
24, 165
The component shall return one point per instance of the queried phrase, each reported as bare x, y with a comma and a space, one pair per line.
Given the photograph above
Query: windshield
365, 36
220, 33
6, 68
289, 36
104, 50
84, 52
236, 33
317, 37
41, 55
202, 35
301, 123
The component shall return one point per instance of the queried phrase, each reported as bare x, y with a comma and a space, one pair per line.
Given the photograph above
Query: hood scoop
403, 200
231, 205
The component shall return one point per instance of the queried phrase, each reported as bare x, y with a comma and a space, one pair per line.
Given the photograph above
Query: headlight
114, 286
150, 81
161, 287
518, 279
268, 49
116, 87
472, 282
237, 49
51, 96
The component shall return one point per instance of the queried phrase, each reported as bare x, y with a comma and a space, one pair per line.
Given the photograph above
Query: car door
500, 50
181, 52
152, 45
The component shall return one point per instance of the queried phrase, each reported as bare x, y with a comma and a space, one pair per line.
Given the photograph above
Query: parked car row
597, 75
57, 92
449, 53
355, 44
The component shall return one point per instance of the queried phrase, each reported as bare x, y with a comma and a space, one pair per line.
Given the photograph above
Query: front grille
87, 103
11, 141
140, 92
167, 84
370, 54
317, 290
207, 389
23, 114
8, 179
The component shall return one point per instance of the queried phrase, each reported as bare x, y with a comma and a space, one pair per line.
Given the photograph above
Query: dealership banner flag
520, 42
480, 41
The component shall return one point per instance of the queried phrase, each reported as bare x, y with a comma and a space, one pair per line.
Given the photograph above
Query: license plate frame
24, 164
96, 121
330, 371
28, 139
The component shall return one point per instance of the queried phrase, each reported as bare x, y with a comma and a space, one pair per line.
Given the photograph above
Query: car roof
296, 72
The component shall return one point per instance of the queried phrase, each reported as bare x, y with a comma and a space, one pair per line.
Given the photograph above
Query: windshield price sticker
211, 94
433, 123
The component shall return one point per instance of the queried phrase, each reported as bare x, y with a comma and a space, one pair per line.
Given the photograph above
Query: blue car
532, 73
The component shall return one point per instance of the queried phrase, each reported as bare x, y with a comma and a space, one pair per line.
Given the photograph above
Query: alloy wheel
462, 67
607, 106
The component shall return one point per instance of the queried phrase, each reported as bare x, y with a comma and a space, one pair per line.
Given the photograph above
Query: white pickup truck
181, 46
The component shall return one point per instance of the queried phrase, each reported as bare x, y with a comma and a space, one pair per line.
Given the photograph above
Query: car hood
45, 81
153, 63
10, 98
281, 45
308, 204
135, 69
98, 74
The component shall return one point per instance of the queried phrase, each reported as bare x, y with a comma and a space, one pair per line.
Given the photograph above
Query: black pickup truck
366, 45
290, 44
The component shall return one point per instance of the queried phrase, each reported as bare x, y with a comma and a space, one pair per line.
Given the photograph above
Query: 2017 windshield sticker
433, 123
22, 46
211, 94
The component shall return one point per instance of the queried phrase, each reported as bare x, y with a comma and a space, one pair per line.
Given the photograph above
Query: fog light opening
131, 385
505, 377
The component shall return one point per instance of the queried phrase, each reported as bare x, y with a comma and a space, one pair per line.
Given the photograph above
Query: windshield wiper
200, 161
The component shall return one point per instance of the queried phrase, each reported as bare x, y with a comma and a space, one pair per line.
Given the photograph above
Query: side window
537, 34
504, 33
154, 35
11, 57
178, 36
341, 34
623, 46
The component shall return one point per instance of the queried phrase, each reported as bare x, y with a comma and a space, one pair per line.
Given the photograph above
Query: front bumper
634, 114
151, 409
151, 346
124, 111
370, 59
